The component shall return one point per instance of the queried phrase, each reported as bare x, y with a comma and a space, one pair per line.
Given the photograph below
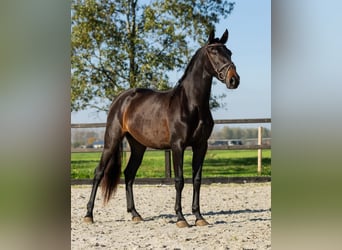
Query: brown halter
220, 75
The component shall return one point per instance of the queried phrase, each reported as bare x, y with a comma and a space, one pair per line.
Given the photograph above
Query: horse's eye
214, 51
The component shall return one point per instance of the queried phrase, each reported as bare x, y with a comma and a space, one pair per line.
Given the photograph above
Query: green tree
117, 44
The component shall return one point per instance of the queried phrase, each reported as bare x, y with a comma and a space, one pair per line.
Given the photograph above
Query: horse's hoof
201, 222
88, 219
137, 219
182, 223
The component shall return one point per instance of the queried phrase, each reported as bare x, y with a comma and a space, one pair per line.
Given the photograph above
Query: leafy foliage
117, 45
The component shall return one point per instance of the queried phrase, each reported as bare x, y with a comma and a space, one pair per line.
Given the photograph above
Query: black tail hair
112, 173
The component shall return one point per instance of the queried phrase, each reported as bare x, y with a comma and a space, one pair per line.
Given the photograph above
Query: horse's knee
179, 182
197, 179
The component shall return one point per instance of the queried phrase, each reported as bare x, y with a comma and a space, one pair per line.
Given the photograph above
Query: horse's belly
151, 133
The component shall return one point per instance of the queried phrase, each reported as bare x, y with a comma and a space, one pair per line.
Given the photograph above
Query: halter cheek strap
220, 75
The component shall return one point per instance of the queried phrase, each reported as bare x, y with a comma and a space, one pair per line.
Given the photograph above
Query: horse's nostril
232, 80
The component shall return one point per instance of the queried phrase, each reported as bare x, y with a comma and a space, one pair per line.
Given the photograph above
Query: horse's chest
203, 130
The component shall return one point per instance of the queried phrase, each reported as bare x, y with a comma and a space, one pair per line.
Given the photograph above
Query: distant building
234, 142
98, 144
225, 142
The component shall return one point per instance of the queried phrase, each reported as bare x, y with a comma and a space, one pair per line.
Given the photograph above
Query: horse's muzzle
233, 82
232, 78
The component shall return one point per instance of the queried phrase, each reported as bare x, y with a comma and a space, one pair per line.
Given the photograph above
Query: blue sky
249, 28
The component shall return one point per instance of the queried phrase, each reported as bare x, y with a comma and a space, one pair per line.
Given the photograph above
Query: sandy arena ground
239, 217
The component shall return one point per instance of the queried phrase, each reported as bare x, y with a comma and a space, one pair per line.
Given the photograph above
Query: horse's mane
189, 66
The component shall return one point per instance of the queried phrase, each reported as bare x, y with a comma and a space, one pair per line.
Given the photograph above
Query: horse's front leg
199, 152
178, 154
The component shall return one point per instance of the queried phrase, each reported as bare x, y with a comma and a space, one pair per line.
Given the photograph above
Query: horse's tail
112, 172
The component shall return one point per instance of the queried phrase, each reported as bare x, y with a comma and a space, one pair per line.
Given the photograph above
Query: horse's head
220, 60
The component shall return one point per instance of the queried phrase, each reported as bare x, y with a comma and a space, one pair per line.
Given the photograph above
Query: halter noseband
220, 75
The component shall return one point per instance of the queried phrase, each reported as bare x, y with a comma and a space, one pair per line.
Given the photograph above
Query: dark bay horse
171, 119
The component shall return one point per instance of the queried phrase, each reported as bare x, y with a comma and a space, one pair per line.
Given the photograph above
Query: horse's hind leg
96, 181
106, 157
137, 153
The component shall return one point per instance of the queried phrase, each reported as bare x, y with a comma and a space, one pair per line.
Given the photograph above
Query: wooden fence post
259, 150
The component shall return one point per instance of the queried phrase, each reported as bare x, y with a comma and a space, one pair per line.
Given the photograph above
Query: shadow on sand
172, 217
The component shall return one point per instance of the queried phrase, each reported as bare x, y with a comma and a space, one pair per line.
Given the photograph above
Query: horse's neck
197, 87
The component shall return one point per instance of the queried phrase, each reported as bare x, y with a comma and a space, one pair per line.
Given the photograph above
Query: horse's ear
211, 36
224, 37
